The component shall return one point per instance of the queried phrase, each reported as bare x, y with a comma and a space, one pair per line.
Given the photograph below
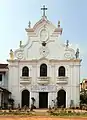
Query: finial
20, 43
11, 54
44, 8
77, 53
58, 23
67, 43
29, 24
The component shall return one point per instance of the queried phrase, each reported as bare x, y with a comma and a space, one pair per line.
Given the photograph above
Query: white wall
36, 96
31, 51
51, 96
72, 72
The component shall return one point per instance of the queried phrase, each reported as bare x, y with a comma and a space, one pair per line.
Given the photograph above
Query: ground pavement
38, 111
39, 118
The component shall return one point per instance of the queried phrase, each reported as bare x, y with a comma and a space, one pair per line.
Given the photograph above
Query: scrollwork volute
19, 54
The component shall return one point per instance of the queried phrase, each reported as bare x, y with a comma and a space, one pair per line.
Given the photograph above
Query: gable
44, 41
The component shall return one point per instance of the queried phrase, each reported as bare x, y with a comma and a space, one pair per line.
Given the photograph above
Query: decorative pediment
44, 41
43, 22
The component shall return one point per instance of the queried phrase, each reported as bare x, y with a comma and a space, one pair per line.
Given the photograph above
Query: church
44, 68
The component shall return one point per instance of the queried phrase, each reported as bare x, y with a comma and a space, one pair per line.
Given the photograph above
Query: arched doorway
61, 98
25, 98
43, 70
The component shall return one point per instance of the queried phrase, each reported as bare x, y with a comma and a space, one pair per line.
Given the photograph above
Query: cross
43, 10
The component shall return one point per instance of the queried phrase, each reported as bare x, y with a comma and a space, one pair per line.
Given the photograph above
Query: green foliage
33, 99
67, 113
83, 97
11, 102
11, 112
32, 105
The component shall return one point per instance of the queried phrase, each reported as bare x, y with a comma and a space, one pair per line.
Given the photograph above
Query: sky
15, 15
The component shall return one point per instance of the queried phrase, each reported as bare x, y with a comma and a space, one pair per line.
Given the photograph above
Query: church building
44, 68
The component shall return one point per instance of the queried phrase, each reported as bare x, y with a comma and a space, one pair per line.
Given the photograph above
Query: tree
33, 100
83, 97
32, 105
11, 102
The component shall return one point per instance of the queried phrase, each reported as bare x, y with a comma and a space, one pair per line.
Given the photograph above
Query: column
34, 74
53, 73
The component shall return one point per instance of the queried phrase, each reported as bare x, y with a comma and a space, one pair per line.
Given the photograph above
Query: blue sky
15, 14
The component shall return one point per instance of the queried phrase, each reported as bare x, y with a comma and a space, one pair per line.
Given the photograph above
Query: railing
62, 80
43, 80
25, 80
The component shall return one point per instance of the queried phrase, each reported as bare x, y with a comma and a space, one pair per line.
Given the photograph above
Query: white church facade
44, 68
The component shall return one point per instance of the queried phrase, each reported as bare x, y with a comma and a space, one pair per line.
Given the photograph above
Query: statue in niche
44, 35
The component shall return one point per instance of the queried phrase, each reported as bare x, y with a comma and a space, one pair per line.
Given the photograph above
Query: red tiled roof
3, 66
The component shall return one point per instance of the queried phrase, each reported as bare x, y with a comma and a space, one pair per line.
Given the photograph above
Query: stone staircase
40, 112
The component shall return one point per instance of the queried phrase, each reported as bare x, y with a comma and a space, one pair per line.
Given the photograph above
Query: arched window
61, 71
25, 71
43, 70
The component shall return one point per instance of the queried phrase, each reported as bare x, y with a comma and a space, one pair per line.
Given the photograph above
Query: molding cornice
50, 60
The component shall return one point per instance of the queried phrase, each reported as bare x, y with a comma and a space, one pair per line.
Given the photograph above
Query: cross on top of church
44, 9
